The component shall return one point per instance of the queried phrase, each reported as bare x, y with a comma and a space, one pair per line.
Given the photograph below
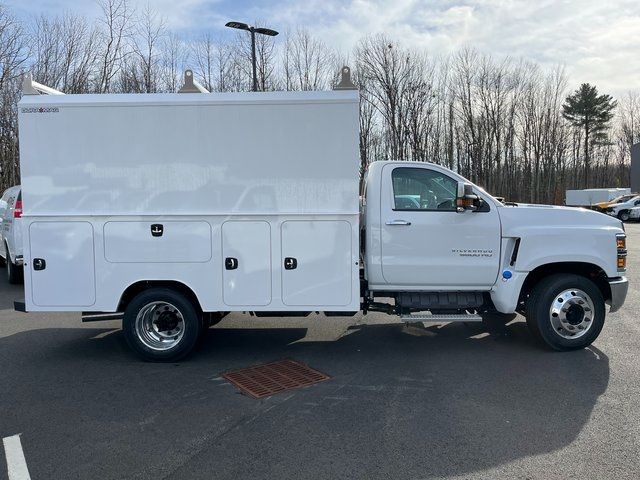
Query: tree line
508, 124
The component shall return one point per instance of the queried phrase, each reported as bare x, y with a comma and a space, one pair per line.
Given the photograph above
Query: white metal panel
249, 243
165, 154
68, 279
323, 253
181, 241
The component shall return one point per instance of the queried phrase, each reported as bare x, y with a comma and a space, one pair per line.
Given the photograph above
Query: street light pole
252, 30
253, 58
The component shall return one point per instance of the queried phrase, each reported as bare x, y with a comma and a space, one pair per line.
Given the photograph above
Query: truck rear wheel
162, 325
566, 311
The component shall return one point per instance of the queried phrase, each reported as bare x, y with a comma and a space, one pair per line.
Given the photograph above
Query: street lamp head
238, 25
266, 31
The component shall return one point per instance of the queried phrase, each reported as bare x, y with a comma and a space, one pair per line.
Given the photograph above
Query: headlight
621, 246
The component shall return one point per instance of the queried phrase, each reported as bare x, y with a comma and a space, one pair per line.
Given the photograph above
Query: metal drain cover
271, 378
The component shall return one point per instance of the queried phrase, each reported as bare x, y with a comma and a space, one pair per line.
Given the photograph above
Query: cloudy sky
597, 40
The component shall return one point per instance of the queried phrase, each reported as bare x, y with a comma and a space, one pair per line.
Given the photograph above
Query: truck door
246, 262
62, 266
317, 265
425, 242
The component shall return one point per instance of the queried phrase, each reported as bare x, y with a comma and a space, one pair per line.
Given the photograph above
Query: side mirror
466, 199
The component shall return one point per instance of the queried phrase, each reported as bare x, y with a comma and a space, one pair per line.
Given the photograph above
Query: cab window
423, 189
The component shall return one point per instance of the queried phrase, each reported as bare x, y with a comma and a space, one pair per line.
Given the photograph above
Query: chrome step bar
427, 317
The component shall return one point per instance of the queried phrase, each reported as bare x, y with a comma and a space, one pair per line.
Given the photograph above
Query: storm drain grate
271, 378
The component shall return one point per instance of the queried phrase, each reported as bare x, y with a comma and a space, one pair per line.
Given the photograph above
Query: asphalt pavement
465, 401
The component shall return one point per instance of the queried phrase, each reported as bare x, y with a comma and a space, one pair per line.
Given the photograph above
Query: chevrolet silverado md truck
170, 210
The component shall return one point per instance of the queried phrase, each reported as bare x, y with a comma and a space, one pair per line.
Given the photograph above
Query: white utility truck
170, 210
591, 197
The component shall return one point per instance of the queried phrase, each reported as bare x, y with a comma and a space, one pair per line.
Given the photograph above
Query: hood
531, 215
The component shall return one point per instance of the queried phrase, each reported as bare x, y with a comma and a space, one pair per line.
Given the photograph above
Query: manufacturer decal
472, 252
40, 110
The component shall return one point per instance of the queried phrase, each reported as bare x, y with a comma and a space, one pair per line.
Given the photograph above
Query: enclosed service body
215, 192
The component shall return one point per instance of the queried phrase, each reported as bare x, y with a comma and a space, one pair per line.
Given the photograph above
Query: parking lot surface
449, 401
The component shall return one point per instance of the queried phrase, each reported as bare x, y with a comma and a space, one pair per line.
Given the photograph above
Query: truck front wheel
161, 325
624, 215
565, 311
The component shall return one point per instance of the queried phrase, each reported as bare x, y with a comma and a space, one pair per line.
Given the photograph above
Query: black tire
181, 306
624, 216
539, 316
15, 274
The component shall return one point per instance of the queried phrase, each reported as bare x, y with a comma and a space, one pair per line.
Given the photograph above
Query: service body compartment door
316, 263
62, 264
246, 263
157, 242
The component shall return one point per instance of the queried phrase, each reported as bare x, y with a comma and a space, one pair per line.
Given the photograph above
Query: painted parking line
16, 463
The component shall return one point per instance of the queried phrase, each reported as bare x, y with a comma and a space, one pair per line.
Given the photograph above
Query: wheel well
588, 270
138, 287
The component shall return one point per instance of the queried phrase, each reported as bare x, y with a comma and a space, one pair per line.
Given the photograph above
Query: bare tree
174, 58
145, 62
308, 64
12, 60
114, 29
64, 52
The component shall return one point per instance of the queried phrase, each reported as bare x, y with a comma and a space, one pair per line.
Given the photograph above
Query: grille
265, 380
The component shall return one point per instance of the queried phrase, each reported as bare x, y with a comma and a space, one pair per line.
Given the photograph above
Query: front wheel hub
572, 313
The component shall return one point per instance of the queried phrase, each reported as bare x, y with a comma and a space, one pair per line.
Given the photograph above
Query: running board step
456, 317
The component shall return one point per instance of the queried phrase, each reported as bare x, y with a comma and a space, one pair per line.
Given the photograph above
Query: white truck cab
170, 210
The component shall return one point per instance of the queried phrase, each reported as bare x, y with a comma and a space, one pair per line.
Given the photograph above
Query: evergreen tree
587, 110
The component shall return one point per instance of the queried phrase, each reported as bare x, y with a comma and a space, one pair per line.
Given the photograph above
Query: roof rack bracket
29, 87
345, 80
191, 85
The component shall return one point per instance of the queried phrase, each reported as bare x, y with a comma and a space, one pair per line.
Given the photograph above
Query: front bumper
619, 287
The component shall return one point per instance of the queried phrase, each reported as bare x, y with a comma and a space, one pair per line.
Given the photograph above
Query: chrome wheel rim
572, 313
159, 326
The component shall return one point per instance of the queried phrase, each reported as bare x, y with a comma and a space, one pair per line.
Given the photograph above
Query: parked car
11, 233
622, 210
602, 206
634, 214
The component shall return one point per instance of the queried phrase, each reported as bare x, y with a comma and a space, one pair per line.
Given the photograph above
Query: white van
168, 210
11, 233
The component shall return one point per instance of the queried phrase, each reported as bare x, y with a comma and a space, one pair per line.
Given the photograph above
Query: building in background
635, 167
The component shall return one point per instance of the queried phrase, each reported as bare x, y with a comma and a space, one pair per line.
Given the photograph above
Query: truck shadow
448, 400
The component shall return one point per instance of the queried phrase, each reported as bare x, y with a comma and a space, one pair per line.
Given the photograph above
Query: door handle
290, 263
398, 222
230, 263
39, 264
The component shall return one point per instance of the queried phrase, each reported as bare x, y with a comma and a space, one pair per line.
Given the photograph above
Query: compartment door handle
230, 263
290, 263
39, 264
